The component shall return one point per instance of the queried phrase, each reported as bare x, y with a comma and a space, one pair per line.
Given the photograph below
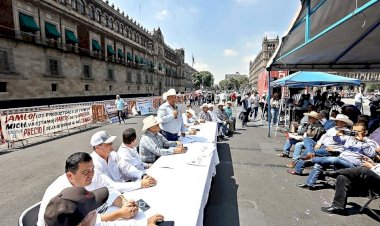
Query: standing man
359, 100
119, 104
255, 99
171, 121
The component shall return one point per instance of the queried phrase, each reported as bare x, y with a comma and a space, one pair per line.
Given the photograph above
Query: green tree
223, 84
204, 78
242, 82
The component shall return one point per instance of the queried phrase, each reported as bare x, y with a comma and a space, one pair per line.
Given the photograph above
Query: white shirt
62, 182
214, 117
254, 100
130, 155
116, 172
169, 122
358, 98
188, 121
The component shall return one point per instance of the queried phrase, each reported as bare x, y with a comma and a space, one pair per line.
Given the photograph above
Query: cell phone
197, 129
165, 223
350, 133
185, 148
143, 205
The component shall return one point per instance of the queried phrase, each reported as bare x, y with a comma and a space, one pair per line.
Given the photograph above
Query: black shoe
306, 186
333, 210
333, 174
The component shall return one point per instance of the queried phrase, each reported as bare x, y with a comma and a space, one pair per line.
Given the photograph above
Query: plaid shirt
221, 114
205, 116
154, 145
169, 123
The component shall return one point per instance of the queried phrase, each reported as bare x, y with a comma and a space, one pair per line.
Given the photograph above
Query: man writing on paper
171, 121
79, 172
115, 172
153, 144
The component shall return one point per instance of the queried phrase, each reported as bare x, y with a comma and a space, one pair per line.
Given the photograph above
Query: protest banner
22, 126
145, 107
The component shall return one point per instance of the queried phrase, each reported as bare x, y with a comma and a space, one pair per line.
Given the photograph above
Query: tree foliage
234, 83
204, 78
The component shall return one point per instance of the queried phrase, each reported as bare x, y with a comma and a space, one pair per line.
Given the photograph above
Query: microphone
176, 108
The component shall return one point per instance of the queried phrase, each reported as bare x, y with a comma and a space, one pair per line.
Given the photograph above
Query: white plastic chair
29, 216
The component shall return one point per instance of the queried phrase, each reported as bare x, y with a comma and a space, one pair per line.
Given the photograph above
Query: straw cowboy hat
312, 114
343, 118
204, 106
220, 104
191, 111
171, 92
229, 102
150, 121
164, 96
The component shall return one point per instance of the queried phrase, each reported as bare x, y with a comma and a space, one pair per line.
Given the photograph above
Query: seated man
79, 172
232, 120
313, 130
330, 123
153, 144
128, 151
355, 148
295, 125
221, 119
325, 146
75, 206
112, 170
203, 115
355, 179
189, 118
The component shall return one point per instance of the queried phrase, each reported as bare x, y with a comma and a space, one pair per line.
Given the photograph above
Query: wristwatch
142, 177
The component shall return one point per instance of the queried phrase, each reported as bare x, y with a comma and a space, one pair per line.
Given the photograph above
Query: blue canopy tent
303, 79
331, 36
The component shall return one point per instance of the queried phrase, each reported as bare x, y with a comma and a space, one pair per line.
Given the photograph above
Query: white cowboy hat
164, 95
150, 121
204, 106
191, 111
229, 102
343, 118
312, 114
211, 106
220, 104
101, 137
171, 92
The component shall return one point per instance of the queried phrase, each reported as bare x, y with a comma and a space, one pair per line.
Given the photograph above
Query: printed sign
145, 106
32, 124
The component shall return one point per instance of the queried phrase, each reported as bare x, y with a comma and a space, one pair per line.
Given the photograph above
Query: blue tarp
303, 79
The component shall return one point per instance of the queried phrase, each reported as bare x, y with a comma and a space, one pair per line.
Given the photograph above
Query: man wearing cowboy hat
356, 147
313, 129
203, 115
223, 117
153, 144
325, 146
114, 171
228, 111
171, 122
189, 118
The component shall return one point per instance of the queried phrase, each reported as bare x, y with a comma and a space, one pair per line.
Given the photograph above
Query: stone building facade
56, 51
258, 66
188, 74
236, 75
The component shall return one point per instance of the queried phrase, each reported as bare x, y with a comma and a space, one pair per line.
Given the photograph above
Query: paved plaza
251, 186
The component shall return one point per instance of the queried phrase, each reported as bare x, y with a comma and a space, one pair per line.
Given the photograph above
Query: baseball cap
101, 137
72, 205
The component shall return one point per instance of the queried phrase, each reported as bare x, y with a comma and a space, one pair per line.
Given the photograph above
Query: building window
53, 67
87, 87
110, 75
74, 4
105, 20
3, 87
110, 22
129, 76
80, 7
4, 61
121, 29
54, 87
97, 16
62, 1
110, 88
87, 71
91, 13
138, 87
129, 88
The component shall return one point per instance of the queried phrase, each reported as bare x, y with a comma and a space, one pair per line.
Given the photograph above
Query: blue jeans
255, 110
297, 150
222, 129
274, 113
288, 145
170, 136
300, 164
322, 163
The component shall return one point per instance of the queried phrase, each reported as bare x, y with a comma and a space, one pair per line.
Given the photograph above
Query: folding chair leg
366, 206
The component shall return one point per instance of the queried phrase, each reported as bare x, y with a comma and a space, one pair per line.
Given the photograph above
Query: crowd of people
92, 183
342, 145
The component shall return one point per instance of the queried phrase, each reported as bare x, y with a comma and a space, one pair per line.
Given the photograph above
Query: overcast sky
222, 35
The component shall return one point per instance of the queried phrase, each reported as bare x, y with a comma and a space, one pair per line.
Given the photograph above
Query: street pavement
251, 186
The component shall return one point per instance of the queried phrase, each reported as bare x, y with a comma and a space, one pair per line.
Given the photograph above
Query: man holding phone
171, 121
355, 148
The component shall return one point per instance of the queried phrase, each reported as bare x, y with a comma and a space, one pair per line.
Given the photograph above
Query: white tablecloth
182, 189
